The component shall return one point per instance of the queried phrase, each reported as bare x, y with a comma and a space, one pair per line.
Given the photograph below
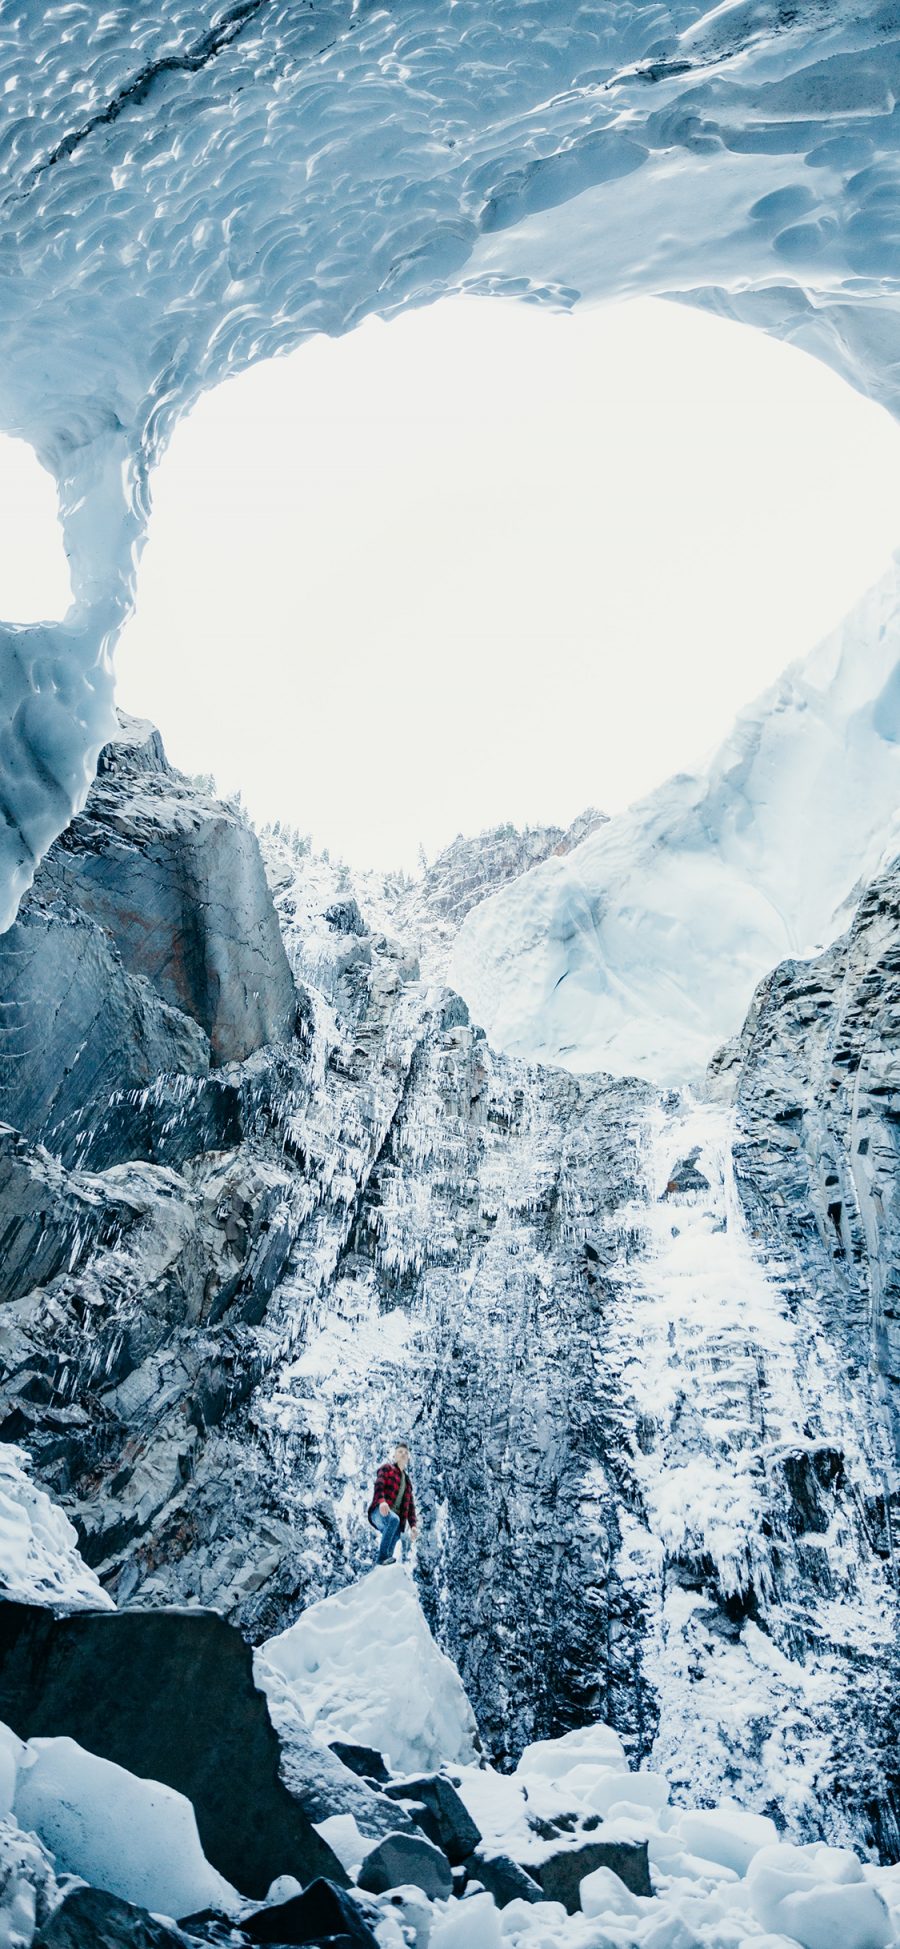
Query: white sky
488, 563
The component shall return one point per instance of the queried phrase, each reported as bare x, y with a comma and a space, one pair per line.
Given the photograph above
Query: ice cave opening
496, 562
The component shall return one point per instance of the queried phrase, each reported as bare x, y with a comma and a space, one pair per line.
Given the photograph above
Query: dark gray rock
177, 881
147, 948
88, 1918
169, 1695
322, 1913
686, 1177
406, 1858
437, 1808
78, 1030
561, 1874
503, 1878
344, 916
49, 1219
361, 1759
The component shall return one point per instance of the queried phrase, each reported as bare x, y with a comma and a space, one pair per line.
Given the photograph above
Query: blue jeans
390, 1529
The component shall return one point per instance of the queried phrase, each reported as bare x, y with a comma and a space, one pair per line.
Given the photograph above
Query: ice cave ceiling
187, 189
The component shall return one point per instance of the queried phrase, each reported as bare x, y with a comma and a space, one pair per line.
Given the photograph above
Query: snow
639, 952
727, 1364
363, 1666
343, 1835
28, 1885
720, 1876
39, 1557
190, 193
817, 1896
136, 1838
474, 1924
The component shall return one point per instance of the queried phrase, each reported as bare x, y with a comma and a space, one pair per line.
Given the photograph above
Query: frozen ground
721, 1875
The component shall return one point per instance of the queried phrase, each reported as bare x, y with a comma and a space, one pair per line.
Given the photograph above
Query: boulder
562, 1873
362, 1760
441, 1814
88, 1918
169, 1695
686, 1177
402, 1859
323, 1913
503, 1878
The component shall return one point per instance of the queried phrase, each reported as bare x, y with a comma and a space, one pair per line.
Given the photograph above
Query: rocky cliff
270, 1203
230, 1281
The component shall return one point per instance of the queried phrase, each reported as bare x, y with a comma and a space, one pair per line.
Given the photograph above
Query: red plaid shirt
387, 1482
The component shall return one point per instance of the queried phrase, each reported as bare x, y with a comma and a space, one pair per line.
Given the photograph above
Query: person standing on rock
392, 1508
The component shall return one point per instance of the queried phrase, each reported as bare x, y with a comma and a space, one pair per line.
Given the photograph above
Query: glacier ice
639, 951
408, 1703
194, 188
136, 1838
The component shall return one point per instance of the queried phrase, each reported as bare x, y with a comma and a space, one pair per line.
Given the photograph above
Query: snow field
39, 1557
362, 1665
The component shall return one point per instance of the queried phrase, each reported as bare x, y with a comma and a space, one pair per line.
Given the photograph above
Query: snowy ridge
639, 952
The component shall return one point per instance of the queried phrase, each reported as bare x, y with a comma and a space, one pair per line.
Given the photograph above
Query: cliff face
230, 1283
816, 1077
647, 1435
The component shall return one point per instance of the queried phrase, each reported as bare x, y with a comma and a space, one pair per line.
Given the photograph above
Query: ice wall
195, 187
639, 951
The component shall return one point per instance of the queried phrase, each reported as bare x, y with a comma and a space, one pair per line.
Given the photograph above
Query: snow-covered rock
40, 1561
363, 1665
134, 1837
29, 1889
652, 1471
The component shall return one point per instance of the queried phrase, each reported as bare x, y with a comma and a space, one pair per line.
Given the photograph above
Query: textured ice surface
39, 1557
639, 952
362, 1665
134, 1837
193, 187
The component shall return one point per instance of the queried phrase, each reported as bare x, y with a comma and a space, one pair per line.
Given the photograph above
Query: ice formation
639, 951
194, 188
407, 1701
39, 1557
136, 1838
